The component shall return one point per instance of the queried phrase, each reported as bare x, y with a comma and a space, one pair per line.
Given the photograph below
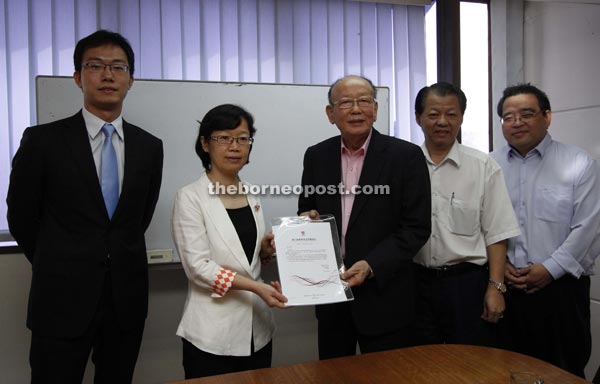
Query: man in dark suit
379, 234
81, 196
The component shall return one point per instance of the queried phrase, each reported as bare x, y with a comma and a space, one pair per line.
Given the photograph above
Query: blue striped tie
109, 172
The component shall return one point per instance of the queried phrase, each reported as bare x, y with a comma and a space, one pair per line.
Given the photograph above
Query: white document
308, 268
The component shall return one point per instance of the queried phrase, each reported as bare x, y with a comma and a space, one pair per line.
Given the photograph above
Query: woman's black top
244, 224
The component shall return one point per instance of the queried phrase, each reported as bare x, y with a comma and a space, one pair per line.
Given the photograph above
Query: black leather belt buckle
452, 270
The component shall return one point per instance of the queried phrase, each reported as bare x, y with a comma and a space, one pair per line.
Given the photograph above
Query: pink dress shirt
352, 164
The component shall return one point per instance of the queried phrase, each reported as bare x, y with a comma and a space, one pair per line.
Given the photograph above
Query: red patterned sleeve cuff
223, 282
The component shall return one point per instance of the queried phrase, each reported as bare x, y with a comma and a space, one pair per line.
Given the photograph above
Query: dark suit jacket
385, 230
57, 215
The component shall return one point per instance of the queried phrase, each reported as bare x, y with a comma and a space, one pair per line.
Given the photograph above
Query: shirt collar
360, 151
94, 124
540, 149
453, 155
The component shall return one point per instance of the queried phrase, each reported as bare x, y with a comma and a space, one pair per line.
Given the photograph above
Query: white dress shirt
470, 208
94, 126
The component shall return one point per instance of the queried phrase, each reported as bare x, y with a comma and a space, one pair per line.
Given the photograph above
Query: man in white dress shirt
460, 270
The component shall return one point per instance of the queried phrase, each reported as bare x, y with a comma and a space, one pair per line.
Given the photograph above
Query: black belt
450, 270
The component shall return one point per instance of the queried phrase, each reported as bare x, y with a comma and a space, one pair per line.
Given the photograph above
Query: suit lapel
260, 223
369, 174
133, 153
76, 136
334, 168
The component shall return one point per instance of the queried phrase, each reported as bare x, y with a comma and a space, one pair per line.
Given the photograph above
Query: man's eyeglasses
363, 102
524, 117
97, 67
228, 140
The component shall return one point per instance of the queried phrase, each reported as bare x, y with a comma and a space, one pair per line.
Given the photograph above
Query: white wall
15, 276
562, 52
556, 46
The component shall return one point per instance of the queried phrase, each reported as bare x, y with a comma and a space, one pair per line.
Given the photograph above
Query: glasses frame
228, 140
514, 117
99, 67
367, 102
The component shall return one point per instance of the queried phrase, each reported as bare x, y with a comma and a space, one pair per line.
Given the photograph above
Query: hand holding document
309, 260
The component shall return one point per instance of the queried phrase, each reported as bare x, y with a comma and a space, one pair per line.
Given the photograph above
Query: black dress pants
114, 351
338, 335
449, 304
198, 363
552, 324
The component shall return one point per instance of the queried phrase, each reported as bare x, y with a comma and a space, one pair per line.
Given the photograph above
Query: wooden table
444, 364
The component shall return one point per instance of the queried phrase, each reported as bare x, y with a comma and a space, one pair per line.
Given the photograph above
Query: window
474, 68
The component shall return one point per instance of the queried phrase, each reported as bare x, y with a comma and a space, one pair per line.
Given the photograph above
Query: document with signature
309, 262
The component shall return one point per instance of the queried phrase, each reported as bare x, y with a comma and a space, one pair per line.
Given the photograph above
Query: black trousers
114, 351
552, 324
449, 304
197, 363
339, 337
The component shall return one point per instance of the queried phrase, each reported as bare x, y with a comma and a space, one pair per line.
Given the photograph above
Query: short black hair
224, 117
525, 88
99, 38
345, 77
441, 89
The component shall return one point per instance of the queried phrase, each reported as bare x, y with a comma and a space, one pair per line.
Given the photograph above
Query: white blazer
207, 241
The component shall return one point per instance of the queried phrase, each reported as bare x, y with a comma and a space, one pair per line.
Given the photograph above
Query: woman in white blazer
227, 325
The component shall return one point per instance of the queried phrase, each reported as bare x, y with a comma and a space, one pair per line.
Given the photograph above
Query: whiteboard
288, 118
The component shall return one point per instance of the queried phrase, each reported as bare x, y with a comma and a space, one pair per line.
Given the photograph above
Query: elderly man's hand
357, 274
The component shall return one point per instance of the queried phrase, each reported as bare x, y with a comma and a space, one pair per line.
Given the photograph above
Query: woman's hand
267, 248
313, 214
271, 294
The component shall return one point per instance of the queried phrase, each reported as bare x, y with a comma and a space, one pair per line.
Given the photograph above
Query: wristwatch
501, 287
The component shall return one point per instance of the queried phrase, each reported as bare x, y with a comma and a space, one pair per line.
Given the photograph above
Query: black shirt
244, 224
